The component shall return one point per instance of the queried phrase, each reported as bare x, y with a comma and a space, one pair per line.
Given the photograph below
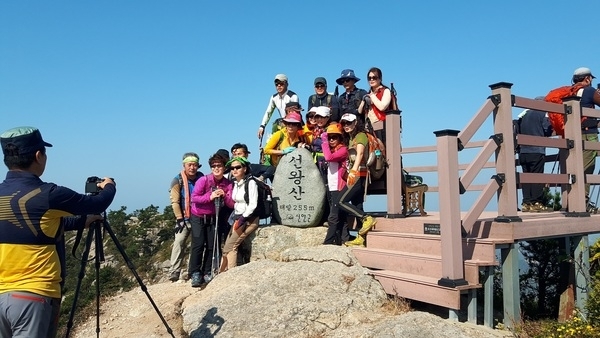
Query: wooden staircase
408, 262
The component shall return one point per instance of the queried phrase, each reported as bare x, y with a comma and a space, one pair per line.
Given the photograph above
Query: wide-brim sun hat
347, 74
293, 117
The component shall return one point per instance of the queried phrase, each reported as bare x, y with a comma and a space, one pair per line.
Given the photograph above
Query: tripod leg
84, 260
99, 256
135, 274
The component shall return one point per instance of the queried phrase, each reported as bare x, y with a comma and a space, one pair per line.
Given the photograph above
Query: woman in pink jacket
336, 154
210, 191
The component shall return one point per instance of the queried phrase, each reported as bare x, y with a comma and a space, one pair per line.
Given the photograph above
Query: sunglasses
346, 123
333, 137
279, 84
320, 86
236, 167
214, 166
373, 78
346, 80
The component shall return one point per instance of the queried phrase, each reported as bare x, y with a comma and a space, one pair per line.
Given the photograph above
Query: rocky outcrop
311, 292
268, 242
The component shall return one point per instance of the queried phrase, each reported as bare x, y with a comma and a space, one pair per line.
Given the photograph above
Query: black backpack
264, 205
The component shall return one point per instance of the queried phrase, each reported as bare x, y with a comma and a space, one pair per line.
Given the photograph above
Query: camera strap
77, 241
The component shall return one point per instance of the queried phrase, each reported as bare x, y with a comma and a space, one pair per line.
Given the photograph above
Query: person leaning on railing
590, 98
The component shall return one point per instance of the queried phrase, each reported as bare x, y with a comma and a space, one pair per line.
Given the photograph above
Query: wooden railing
505, 181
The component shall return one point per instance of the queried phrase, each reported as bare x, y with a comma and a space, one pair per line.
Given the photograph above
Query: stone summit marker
298, 190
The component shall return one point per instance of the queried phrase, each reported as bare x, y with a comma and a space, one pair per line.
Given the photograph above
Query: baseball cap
26, 140
281, 77
334, 128
582, 71
323, 111
348, 117
320, 80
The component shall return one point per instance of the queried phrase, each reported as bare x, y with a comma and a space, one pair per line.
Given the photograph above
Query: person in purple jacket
210, 190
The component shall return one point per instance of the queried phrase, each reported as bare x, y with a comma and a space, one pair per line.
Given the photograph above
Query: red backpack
556, 96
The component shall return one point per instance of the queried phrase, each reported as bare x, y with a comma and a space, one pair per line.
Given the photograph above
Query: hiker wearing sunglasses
278, 100
376, 103
350, 100
244, 222
322, 98
335, 153
352, 195
287, 139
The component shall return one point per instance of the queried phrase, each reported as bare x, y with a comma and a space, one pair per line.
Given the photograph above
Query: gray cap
582, 71
320, 79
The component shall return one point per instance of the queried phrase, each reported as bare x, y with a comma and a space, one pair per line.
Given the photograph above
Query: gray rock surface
298, 190
268, 242
316, 290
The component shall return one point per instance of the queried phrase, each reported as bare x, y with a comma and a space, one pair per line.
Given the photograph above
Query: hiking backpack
313, 100
556, 96
376, 161
264, 205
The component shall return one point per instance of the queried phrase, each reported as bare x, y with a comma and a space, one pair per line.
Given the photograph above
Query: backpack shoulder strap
246, 196
329, 96
313, 99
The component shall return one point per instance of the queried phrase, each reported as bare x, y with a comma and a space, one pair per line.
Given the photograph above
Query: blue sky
124, 88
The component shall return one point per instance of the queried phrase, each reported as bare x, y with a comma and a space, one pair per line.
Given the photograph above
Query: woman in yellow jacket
284, 141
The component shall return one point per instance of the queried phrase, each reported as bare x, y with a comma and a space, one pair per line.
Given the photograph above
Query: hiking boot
207, 278
358, 241
539, 207
526, 207
196, 280
174, 277
367, 223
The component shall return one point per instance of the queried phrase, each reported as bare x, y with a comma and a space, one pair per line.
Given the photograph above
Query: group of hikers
220, 206
539, 123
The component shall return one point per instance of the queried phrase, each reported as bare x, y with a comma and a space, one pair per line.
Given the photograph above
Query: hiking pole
216, 247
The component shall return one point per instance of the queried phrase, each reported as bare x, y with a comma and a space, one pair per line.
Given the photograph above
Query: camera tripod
95, 234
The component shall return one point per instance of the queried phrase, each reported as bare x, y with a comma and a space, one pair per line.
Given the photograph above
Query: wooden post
574, 162
582, 272
393, 173
450, 222
505, 155
510, 285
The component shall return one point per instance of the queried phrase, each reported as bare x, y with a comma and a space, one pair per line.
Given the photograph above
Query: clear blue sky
124, 88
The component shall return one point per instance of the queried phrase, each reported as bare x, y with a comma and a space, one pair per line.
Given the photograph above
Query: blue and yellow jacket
33, 217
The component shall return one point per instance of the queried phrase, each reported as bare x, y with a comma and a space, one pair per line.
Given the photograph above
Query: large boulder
268, 242
310, 292
299, 193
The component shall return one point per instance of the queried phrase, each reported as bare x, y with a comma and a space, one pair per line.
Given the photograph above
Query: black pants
337, 232
352, 198
532, 163
203, 239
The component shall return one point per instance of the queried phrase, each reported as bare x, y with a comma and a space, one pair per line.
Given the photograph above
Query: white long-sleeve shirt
239, 190
279, 102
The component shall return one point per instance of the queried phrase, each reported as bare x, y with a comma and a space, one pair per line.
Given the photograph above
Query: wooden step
423, 289
473, 249
416, 264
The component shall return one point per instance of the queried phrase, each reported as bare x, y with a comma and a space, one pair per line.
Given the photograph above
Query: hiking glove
239, 223
367, 99
288, 150
180, 225
352, 177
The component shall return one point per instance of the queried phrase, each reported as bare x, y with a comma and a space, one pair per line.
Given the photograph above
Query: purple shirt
201, 203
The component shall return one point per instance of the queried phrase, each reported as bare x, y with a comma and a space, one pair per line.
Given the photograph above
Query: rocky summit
318, 291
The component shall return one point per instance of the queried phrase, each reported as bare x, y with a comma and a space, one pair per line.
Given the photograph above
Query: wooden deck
438, 257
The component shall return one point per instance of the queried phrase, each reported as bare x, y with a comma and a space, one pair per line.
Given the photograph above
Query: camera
91, 184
